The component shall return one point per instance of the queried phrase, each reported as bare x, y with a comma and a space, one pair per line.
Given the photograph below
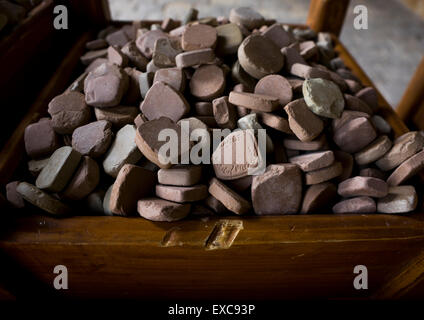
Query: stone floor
389, 50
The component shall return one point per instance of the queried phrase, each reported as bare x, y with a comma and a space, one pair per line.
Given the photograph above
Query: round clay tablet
208, 82
276, 86
259, 56
198, 36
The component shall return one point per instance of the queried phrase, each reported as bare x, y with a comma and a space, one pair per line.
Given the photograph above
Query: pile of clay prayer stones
327, 147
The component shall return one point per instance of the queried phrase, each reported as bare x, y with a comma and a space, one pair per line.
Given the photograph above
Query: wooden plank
271, 257
327, 15
404, 281
13, 151
413, 98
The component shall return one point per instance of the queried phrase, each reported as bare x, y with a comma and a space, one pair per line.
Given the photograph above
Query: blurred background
389, 51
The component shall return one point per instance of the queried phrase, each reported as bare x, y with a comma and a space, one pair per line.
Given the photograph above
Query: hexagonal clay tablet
236, 155
122, 151
164, 101
400, 199
84, 181
323, 97
59, 170
105, 86
207, 82
132, 184
182, 194
40, 139
355, 205
230, 199
41, 199
254, 101
303, 122
278, 190
275, 85
93, 139
407, 169
147, 140
198, 36
246, 17
313, 161
259, 56
68, 112
156, 209
229, 38
374, 151
355, 135
318, 196
403, 148
180, 175
363, 186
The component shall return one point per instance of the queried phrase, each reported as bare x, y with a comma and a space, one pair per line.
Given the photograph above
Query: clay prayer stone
40, 139
253, 101
93, 139
42, 199
247, 17
199, 36
225, 113
146, 42
407, 169
400, 199
230, 199
59, 170
155, 209
403, 148
147, 140
165, 51
195, 57
374, 151
134, 56
355, 205
236, 156
229, 38
122, 151
275, 85
323, 97
158, 100
180, 175
324, 174
304, 123
207, 82
132, 184
84, 181
363, 186
355, 135
174, 77
117, 116
318, 196
182, 194
105, 86
283, 184
13, 196
68, 112
313, 161
259, 56
278, 35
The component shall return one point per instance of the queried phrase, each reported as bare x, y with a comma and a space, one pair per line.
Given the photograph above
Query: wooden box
282, 257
